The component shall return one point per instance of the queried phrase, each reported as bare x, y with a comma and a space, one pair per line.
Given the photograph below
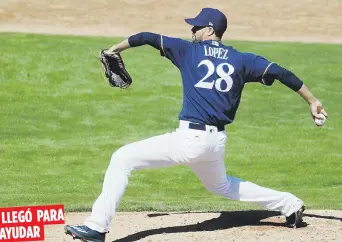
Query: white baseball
321, 120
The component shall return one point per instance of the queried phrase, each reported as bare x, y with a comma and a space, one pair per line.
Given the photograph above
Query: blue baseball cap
209, 17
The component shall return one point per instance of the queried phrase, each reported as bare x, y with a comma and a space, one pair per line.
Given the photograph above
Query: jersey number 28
223, 76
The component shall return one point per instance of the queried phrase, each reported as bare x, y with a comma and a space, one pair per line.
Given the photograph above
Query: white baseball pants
202, 151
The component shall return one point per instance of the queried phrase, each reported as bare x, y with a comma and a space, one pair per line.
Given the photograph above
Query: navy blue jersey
213, 78
213, 75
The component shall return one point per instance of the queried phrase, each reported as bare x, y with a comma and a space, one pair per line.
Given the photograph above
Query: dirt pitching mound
238, 226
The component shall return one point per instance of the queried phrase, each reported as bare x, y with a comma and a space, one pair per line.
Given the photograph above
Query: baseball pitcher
213, 77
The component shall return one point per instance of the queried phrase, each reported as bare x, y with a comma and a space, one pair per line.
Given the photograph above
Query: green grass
60, 123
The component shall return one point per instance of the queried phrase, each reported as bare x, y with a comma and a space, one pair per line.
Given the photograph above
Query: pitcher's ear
211, 31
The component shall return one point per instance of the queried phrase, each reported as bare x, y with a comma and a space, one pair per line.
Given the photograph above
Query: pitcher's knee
219, 189
120, 159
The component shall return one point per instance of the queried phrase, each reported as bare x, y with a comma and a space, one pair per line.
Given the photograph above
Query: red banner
22, 233
27, 223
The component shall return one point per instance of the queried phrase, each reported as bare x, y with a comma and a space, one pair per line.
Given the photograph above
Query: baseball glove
114, 69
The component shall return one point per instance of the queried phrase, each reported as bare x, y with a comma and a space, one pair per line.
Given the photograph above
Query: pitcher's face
197, 33
200, 33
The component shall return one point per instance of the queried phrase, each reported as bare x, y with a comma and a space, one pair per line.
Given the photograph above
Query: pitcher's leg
150, 153
270, 199
214, 178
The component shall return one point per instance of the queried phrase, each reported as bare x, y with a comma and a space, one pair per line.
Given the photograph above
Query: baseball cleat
84, 233
295, 220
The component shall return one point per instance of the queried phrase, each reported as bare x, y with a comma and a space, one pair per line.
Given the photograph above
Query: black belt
203, 127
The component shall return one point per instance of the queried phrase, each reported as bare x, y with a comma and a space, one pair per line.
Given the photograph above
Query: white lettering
40, 214
36, 231
211, 51
14, 216
50, 215
29, 233
21, 216
225, 57
46, 216
219, 53
15, 233
224, 76
8, 232
3, 218
60, 215
21, 232
28, 216
205, 51
216, 51
53, 215
8, 216
2, 234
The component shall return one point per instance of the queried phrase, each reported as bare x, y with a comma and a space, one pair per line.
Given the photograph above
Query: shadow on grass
226, 220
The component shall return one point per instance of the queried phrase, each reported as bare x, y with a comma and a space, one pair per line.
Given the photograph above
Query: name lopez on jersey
219, 53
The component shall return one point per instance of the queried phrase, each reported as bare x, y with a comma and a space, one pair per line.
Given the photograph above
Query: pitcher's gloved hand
115, 70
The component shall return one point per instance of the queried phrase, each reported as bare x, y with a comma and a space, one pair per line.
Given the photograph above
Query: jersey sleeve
256, 68
174, 49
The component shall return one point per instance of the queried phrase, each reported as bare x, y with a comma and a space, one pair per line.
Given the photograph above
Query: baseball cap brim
195, 22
